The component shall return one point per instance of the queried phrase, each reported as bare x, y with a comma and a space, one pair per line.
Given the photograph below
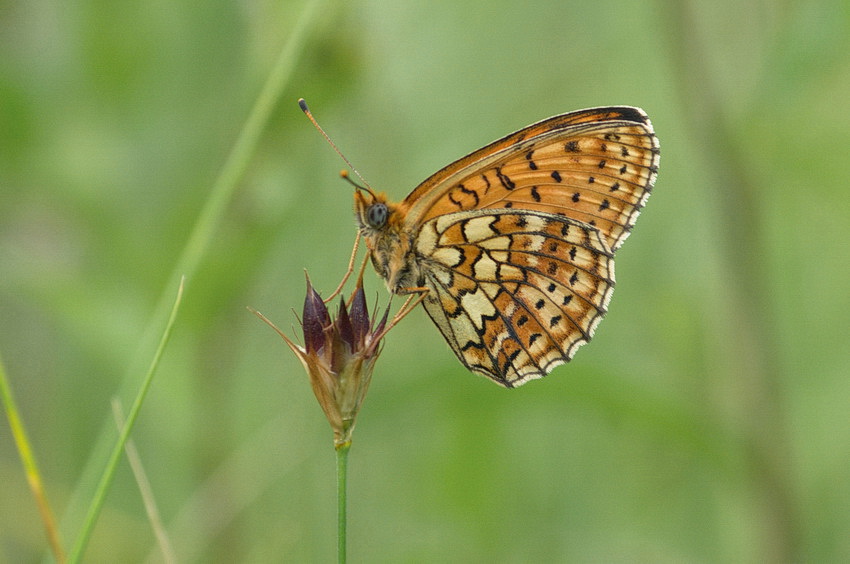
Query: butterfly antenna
303, 105
345, 176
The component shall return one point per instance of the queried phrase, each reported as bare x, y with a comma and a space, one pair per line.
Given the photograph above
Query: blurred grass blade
246, 475
199, 239
237, 161
239, 157
145, 488
30, 466
109, 471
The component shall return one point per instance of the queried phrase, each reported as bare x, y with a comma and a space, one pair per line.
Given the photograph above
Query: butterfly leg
409, 305
348, 270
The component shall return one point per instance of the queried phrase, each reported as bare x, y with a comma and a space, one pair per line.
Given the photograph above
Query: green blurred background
709, 420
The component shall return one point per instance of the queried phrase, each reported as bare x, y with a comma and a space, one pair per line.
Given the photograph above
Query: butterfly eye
376, 215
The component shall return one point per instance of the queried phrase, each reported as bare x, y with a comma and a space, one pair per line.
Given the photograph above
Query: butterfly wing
514, 292
596, 166
515, 241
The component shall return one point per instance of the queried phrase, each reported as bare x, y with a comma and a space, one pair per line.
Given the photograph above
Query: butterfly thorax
390, 244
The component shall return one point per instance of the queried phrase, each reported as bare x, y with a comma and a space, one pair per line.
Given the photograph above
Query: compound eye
376, 215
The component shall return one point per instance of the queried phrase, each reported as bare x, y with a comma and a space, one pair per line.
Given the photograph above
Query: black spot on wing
505, 180
531, 164
469, 192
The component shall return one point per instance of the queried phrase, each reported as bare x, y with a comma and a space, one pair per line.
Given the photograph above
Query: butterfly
513, 245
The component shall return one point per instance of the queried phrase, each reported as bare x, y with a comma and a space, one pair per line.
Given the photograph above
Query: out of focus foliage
708, 420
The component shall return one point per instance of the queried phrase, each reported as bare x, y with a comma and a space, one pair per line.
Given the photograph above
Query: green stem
341, 473
753, 340
22, 441
109, 471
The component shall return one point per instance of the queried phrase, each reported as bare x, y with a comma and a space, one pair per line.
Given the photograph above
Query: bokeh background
709, 420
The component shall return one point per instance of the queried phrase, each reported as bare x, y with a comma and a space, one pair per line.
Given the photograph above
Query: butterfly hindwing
514, 292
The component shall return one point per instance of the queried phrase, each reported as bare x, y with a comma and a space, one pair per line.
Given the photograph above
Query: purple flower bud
379, 328
344, 328
359, 316
315, 319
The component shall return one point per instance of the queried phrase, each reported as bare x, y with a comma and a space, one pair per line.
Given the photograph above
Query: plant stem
22, 441
754, 339
109, 471
341, 472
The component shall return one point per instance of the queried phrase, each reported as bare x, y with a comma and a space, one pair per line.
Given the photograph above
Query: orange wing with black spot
596, 166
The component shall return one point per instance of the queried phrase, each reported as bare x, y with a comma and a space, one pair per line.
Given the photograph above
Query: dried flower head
339, 356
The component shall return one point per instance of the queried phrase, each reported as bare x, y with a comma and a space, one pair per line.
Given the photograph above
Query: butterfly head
372, 211
381, 224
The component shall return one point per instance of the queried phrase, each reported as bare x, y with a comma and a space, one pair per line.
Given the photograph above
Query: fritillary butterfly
513, 245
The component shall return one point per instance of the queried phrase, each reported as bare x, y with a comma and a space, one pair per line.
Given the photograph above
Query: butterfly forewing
596, 166
514, 292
